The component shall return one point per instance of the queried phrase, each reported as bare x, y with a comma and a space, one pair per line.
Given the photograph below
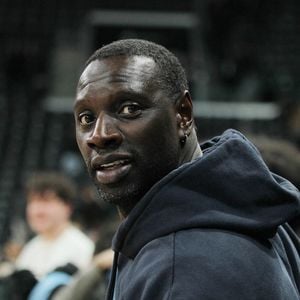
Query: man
50, 198
197, 224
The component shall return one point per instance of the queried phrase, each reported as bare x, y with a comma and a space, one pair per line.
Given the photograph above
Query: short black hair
43, 181
170, 77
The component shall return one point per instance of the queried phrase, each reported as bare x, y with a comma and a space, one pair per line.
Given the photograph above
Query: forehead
136, 71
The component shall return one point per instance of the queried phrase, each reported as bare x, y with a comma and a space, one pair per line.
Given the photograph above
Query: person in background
91, 284
64, 283
198, 221
50, 199
283, 158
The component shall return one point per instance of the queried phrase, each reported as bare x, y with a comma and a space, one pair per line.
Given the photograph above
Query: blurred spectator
65, 282
50, 199
282, 158
90, 215
17, 286
91, 284
12, 248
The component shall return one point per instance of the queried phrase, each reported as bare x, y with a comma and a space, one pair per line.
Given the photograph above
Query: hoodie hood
228, 188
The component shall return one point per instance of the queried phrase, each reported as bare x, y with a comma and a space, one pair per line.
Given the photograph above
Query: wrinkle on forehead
118, 69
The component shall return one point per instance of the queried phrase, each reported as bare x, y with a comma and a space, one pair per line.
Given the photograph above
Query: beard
125, 200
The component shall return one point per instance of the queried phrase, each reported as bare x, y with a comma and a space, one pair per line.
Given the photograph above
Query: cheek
35, 210
59, 212
157, 144
156, 127
160, 134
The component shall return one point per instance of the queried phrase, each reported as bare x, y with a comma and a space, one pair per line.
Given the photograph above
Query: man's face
126, 128
46, 213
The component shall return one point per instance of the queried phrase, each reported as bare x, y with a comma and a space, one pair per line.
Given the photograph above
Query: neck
197, 152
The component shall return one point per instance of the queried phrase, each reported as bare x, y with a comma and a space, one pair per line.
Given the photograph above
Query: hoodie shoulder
218, 264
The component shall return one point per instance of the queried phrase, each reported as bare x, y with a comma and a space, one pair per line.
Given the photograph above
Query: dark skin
128, 130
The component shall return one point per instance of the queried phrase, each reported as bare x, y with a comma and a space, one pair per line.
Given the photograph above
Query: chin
125, 198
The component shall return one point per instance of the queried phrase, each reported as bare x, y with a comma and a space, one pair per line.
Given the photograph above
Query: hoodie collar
228, 188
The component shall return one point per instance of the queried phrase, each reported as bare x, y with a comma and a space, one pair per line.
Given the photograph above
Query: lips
111, 169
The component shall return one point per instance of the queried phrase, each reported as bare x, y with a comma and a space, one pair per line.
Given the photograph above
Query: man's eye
85, 119
130, 110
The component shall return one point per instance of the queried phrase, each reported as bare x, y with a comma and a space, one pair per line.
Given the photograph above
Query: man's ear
184, 114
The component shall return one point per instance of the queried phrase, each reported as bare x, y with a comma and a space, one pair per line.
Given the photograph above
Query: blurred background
242, 58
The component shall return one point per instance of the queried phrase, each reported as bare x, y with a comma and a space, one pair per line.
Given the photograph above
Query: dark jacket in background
214, 228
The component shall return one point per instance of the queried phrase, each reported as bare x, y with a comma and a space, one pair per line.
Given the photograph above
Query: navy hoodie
214, 228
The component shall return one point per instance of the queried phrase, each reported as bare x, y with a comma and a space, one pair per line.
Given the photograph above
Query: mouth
114, 164
112, 170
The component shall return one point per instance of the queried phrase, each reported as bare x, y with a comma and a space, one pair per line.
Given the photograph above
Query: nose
105, 134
